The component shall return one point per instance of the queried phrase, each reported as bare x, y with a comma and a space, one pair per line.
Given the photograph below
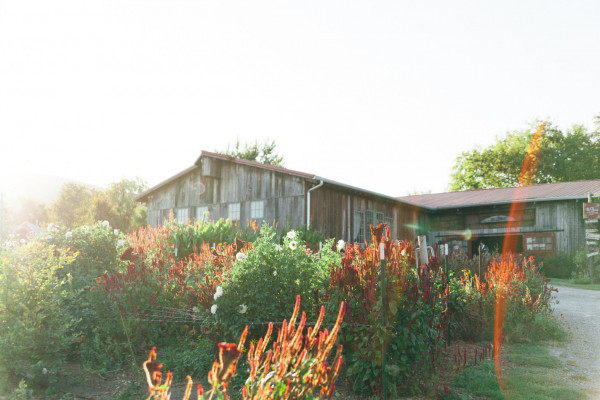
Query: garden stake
382, 258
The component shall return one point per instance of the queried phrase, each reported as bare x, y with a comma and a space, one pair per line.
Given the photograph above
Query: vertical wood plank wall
217, 183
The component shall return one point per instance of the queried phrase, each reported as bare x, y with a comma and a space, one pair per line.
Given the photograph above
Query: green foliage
263, 152
527, 302
416, 318
125, 214
36, 332
73, 205
312, 238
78, 205
264, 283
188, 238
194, 361
529, 372
564, 156
559, 265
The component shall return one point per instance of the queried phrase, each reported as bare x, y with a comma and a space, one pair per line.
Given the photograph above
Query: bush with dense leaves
513, 295
415, 310
265, 281
36, 332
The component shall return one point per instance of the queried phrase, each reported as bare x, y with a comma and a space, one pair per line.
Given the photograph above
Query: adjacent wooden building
545, 218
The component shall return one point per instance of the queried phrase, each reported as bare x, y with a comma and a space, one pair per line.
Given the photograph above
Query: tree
73, 206
264, 152
128, 215
563, 156
78, 205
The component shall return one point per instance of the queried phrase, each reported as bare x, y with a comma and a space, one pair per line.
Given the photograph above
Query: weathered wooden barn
219, 186
545, 218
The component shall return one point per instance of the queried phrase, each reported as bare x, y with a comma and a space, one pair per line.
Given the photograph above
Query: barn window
370, 218
539, 242
359, 226
378, 218
233, 211
390, 222
257, 209
182, 215
202, 213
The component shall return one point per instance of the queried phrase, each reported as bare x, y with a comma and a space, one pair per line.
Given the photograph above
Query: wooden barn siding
565, 219
225, 183
332, 211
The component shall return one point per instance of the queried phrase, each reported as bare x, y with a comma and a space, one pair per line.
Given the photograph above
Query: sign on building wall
591, 212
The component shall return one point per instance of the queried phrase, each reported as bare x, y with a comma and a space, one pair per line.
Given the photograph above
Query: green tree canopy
261, 152
564, 156
78, 205
73, 205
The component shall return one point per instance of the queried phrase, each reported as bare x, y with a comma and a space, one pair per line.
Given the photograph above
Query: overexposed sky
382, 95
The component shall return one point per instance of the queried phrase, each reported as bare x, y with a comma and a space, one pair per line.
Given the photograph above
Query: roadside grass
568, 283
529, 371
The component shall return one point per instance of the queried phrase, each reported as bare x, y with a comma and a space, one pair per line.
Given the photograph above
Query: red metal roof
471, 198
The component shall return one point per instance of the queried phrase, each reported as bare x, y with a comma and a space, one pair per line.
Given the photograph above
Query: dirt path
579, 309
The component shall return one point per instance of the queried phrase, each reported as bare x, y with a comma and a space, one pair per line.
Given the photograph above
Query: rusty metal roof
480, 197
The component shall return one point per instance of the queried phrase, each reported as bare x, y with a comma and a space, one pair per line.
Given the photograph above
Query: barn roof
234, 160
471, 198
143, 197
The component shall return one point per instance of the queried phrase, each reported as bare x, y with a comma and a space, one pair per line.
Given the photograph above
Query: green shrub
187, 238
36, 331
517, 289
559, 265
416, 317
194, 361
264, 283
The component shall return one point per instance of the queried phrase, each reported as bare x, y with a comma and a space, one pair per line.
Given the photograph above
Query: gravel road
579, 309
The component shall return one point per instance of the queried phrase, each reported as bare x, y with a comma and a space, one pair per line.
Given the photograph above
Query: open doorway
493, 244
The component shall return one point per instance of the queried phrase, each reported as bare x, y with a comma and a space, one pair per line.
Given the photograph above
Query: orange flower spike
288, 388
150, 367
296, 310
225, 386
188, 388
243, 339
266, 339
281, 369
267, 363
169, 378
157, 378
213, 373
300, 358
228, 357
244, 393
199, 390
319, 321
256, 353
282, 332
297, 336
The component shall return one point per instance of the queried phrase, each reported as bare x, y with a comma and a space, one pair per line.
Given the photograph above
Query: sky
382, 95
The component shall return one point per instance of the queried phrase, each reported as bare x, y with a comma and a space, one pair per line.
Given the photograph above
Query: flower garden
261, 316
